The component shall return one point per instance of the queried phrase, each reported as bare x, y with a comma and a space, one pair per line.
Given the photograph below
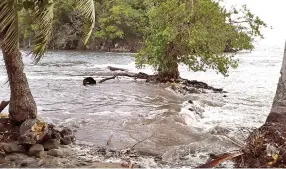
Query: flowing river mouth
128, 111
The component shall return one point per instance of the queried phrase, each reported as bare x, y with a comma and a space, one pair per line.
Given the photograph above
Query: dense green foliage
197, 33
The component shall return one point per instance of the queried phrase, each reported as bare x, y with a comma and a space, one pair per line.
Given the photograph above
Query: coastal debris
218, 159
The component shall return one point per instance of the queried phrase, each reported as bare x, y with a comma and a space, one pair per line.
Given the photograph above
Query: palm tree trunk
272, 133
22, 104
278, 111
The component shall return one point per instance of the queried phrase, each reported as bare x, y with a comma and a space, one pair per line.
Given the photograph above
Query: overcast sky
273, 12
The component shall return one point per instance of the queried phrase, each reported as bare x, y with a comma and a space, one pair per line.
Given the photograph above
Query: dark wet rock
35, 149
89, 81
66, 132
32, 131
224, 95
191, 102
52, 133
56, 152
51, 144
191, 109
66, 140
191, 89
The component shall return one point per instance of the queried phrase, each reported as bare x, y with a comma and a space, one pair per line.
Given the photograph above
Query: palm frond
43, 19
9, 26
88, 10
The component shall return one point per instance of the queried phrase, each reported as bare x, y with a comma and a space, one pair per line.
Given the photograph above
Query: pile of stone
38, 139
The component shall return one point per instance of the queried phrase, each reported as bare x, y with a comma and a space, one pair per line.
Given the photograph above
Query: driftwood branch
220, 159
139, 75
141, 141
116, 69
3, 104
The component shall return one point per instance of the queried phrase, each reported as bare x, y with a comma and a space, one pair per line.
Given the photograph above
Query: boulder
56, 152
66, 132
66, 140
41, 154
51, 144
12, 147
6, 147
36, 149
17, 148
32, 131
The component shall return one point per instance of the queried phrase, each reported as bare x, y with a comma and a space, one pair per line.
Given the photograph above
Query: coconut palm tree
22, 104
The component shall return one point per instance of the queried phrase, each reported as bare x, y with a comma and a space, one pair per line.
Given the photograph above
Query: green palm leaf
88, 10
9, 26
43, 19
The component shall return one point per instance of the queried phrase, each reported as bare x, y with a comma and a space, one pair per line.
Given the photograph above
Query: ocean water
132, 110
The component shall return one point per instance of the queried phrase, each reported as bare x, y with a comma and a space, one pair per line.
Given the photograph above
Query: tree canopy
199, 33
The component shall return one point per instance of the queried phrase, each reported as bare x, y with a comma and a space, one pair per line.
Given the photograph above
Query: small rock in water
51, 144
66, 140
191, 102
66, 132
35, 149
224, 95
56, 152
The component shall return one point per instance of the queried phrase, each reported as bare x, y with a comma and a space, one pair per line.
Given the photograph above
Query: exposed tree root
155, 79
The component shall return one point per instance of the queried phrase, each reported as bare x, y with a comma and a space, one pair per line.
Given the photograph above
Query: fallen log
156, 79
3, 104
116, 69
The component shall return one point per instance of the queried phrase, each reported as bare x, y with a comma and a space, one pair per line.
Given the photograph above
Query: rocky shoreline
57, 148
